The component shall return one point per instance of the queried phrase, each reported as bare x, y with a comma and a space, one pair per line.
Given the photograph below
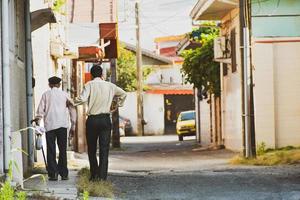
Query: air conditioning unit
219, 47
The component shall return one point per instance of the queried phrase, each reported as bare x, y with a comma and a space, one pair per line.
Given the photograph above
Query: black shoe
64, 178
53, 178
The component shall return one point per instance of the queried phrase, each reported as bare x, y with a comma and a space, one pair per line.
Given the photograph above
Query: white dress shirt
99, 95
54, 107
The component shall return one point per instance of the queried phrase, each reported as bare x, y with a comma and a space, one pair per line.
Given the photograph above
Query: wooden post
115, 116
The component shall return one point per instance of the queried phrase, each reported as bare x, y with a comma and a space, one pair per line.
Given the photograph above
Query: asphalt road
159, 168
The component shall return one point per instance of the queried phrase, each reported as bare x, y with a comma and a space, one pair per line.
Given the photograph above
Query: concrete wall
231, 92
205, 122
263, 57
153, 112
277, 89
166, 75
17, 75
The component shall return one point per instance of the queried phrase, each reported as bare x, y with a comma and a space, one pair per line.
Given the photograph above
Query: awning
178, 92
41, 17
212, 9
170, 89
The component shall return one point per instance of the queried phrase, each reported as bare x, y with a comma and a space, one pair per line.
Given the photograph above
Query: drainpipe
6, 85
29, 90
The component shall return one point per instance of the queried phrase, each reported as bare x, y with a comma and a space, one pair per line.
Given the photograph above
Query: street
160, 167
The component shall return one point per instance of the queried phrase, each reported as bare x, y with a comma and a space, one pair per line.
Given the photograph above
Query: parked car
125, 126
186, 124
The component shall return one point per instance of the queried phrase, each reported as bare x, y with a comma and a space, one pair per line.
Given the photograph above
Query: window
233, 50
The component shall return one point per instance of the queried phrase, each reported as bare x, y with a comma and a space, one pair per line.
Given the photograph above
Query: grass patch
283, 156
97, 189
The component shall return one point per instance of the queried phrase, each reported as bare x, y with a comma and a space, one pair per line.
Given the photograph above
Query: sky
157, 18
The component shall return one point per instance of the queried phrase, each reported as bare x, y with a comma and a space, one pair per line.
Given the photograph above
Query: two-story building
275, 65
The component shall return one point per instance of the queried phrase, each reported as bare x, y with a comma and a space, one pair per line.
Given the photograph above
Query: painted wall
129, 110
165, 75
277, 89
231, 93
276, 18
205, 122
153, 112
18, 80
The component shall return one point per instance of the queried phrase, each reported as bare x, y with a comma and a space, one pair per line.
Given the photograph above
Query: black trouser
98, 127
54, 167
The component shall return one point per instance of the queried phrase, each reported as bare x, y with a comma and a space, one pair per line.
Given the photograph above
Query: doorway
174, 104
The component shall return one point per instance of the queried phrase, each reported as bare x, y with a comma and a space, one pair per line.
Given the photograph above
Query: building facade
275, 41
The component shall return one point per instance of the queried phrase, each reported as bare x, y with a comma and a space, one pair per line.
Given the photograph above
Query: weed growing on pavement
271, 157
7, 191
261, 149
85, 195
97, 188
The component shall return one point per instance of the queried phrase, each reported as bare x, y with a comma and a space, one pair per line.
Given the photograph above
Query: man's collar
55, 88
98, 79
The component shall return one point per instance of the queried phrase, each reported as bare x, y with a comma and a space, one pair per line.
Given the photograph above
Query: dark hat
54, 80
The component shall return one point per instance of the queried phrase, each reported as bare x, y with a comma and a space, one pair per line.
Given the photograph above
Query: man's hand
36, 121
71, 133
114, 105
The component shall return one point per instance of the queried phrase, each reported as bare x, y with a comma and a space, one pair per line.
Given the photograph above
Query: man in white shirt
99, 95
54, 107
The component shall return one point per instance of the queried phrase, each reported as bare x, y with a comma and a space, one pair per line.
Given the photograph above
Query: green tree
126, 70
199, 66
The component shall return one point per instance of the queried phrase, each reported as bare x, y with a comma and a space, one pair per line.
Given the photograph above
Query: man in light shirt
54, 107
99, 95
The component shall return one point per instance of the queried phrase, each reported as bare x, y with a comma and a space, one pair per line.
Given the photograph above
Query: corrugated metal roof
162, 59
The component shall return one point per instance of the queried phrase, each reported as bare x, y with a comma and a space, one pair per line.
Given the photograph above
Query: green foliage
7, 192
201, 32
57, 6
21, 195
85, 195
261, 149
199, 67
126, 70
96, 189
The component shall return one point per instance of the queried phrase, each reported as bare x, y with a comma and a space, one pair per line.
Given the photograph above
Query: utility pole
198, 98
139, 71
115, 115
248, 115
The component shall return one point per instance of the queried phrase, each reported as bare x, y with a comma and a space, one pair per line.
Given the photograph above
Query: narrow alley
160, 167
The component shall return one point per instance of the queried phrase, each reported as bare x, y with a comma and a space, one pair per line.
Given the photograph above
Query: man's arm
73, 118
121, 96
84, 96
40, 113
72, 112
